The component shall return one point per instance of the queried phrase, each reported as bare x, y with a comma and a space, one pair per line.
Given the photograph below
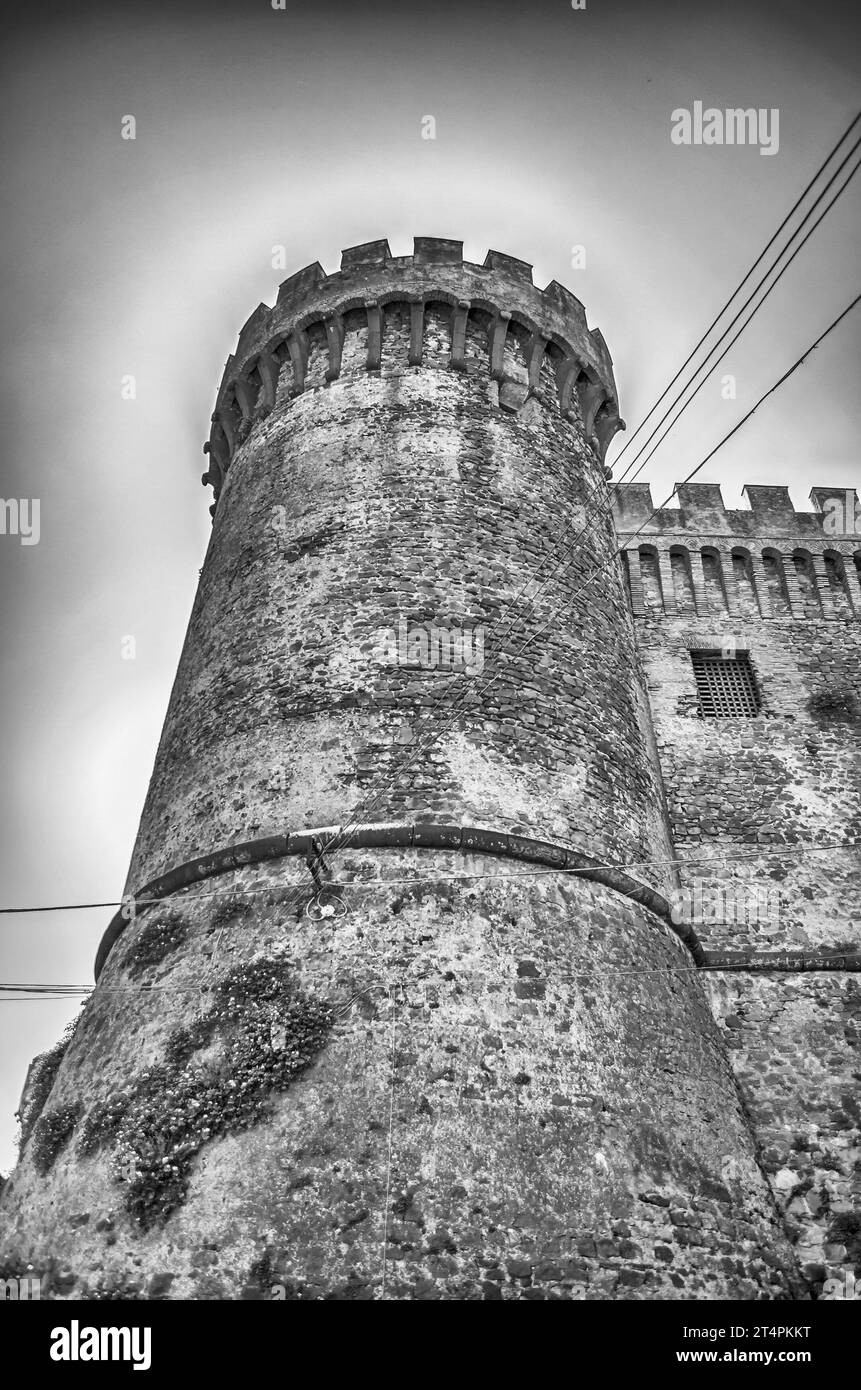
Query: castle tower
463, 1052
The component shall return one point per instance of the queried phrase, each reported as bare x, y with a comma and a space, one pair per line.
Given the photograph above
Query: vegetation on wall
845, 1229
839, 701
158, 937
41, 1081
219, 1077
51, 1135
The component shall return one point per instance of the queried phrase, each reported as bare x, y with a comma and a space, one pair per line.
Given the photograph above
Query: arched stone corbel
224, 418
375, 337
793, 587
536, 347
297, 346
417, 328
458, 334
590, 394
497, 332
218, 451
335, 339
567, 372
268, 369
246, 396
606, 425
760, 585
730, 582
853, 582
214, 475
823, 586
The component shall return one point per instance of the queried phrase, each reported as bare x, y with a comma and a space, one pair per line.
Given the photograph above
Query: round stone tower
395, 1006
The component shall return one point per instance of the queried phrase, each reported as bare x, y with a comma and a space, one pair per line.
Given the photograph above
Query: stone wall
766, 819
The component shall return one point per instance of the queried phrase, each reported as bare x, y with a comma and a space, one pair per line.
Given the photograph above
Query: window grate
726, 686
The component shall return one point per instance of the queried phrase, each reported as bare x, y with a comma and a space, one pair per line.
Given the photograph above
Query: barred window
726, 686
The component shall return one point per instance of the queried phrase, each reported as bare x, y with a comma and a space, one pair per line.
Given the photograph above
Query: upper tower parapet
499, 296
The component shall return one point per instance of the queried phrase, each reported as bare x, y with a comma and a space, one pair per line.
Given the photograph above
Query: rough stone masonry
419, 990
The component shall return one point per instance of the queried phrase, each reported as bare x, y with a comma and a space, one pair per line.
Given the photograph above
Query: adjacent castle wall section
766, 814
768, 561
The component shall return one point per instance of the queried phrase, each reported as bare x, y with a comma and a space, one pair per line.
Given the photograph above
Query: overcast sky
302, 128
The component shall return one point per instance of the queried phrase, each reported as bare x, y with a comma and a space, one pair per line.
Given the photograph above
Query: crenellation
771, 506
701, 506
632, 506
502, 288
293, 291
370, 253
797, 565
570, 308
510, 266
250, 330
433, 250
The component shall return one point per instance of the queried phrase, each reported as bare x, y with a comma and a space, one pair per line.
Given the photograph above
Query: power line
745, 278
787, 374
755, 310
55, 992
82, 991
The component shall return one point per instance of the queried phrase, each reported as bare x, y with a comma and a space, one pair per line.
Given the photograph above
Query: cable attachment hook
325, 902
316, 863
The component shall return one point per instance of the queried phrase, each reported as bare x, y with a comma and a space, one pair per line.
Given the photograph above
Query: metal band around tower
420, 835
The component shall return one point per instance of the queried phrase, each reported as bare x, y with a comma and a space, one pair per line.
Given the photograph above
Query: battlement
701, 512
498, 298
706, 558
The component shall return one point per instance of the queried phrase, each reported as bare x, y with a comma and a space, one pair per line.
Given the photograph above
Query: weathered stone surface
766, 817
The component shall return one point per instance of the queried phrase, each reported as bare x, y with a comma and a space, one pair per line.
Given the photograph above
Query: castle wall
743, 794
